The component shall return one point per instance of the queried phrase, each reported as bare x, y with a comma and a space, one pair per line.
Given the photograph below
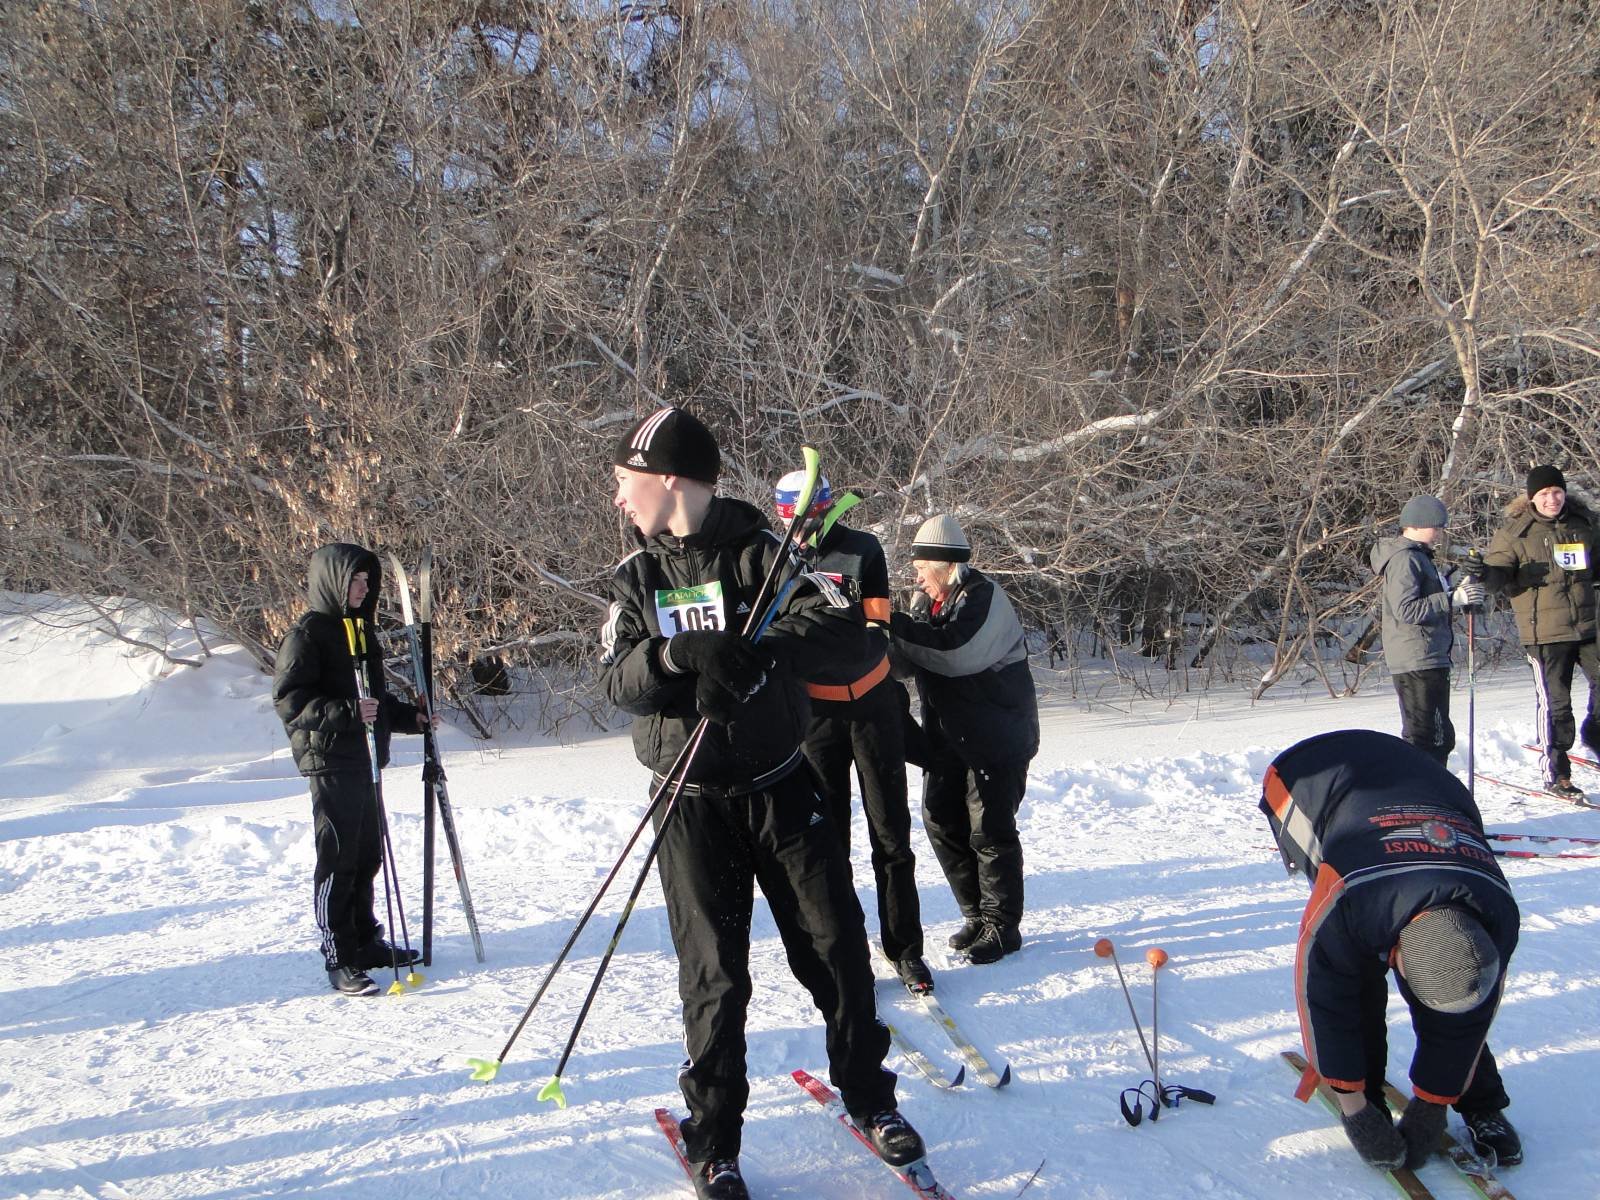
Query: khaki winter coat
1547, 568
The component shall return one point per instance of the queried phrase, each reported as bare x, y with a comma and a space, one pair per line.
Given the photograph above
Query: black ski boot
994, 943
376, 955
351, 981
966, 935
1563, 787
1493, 1137
719, 1179
915, 975
893, 1138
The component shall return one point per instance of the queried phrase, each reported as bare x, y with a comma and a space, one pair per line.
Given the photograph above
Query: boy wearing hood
1543, 559
314, 693
1417, 632
748, 811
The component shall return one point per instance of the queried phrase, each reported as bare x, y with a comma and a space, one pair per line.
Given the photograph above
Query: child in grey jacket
1417, 632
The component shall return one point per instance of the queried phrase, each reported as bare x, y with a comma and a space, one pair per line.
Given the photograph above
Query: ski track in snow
166, 1030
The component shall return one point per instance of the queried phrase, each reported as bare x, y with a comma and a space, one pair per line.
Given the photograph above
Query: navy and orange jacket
854, 560
1383, 832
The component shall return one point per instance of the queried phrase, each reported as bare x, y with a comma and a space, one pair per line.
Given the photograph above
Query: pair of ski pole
355, 632
769, 599
1170, 1094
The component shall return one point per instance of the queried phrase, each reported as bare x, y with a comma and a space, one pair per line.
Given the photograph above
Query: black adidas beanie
670, 442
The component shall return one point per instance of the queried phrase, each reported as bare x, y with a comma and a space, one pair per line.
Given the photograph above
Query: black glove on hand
1375, 1138
1421, 1126
734, 664
716, 703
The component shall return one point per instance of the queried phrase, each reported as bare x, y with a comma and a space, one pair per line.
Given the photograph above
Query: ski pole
1157, 958
355, 633
1105, 949
755, 625
435, 795
1541, 854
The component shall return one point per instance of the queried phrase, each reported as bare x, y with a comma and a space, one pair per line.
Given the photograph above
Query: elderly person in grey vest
982, 722
1417, 632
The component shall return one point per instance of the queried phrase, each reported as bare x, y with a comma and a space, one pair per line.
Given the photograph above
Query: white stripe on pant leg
330, 952
1541, 709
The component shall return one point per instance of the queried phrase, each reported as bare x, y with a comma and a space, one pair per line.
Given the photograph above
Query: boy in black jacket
749, 811
314, 693
1401, 877
856, 720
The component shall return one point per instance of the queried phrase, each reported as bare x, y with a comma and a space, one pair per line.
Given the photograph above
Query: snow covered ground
166, 1029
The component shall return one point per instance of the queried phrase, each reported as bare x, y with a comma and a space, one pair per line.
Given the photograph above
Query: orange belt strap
851, 691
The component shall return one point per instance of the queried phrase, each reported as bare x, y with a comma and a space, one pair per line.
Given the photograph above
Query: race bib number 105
683, 609
1572, 556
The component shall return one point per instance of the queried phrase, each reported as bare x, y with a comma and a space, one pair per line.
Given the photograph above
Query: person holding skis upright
981, 718
748, 811
856, 714
1417, 633
1401, 877
1544, 558
314, 694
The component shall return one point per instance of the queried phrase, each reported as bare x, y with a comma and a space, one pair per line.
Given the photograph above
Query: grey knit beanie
1423, 512
940, 540
1448, 960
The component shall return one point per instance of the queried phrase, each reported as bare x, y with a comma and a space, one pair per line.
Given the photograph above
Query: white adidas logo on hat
636, 460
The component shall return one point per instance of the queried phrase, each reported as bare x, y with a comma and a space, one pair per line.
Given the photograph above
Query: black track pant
1485, 1092
1425, 711
349, 854
712, 853
867, 733
971, 819
1552, 687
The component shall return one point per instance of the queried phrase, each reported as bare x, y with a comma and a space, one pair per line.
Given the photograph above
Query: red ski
915, 1175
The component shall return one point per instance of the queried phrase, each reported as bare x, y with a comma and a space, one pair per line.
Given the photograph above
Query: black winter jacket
313, 681
710, 580
1383, 832
972, 675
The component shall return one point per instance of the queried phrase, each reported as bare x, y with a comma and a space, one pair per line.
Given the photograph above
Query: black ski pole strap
1170, 1095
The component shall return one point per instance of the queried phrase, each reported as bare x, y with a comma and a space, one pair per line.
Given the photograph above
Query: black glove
1421, 1125
1375, 1138
716, 703
735, 665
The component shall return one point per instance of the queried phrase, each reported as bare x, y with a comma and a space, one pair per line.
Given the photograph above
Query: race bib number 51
683, 609
1572, 556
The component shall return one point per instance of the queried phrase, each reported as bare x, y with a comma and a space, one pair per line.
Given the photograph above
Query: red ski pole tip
1103, 947
1156, 957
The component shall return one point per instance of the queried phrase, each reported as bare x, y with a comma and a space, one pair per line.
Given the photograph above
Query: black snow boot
376, 954
994, 943
1493, 1137
966, 935
892, 1137
1564, 788
719, 1179
352, 981
915, 975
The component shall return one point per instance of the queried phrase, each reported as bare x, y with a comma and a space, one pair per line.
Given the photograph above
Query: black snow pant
867, 732
349, 855
1425, 711
1484, 1092
713, 850
1552, 686
971, 818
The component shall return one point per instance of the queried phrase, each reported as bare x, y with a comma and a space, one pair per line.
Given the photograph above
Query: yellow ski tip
416, 979
552, 1091
483, 1069
397, 988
